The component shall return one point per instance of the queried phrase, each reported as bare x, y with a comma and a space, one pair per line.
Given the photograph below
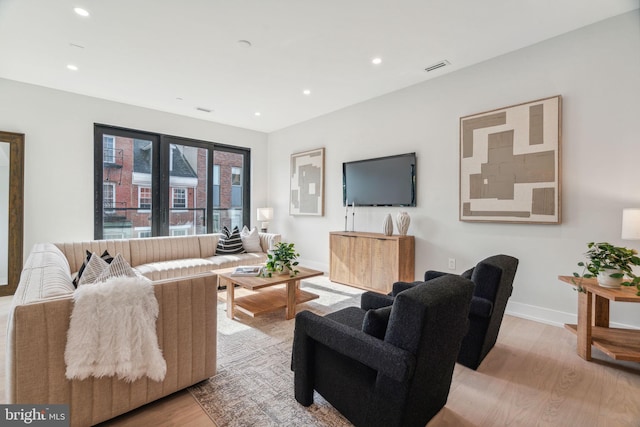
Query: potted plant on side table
610, 265
281, 260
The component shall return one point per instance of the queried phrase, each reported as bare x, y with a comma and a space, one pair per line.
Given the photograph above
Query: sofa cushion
230, 243
174, 268
375, 322
250, 239
234, 260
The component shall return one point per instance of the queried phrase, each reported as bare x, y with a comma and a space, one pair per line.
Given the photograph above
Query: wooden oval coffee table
267, 300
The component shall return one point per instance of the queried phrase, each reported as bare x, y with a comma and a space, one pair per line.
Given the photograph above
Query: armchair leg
303, 393
302, 361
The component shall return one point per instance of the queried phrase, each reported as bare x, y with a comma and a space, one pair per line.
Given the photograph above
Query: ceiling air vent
437, 65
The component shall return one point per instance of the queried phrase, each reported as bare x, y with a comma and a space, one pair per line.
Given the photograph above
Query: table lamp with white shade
631, 224
265, 215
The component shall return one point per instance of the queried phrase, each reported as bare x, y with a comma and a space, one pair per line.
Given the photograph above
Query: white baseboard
517, 309
548, 316
539, 314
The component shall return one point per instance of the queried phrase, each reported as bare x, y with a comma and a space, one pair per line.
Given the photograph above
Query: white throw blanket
113, 331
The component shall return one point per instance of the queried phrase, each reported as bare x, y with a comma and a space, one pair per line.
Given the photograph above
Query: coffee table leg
291, 299
230, 296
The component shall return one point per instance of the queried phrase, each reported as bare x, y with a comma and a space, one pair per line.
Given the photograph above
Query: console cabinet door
384, 264
360, 262
340, 247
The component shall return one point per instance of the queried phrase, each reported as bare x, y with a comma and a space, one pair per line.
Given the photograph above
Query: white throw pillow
250, 239
119, 267
94, 268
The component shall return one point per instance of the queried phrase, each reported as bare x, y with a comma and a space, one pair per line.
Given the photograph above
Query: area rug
253, 385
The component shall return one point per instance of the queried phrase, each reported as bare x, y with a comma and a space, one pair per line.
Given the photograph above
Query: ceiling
177, 56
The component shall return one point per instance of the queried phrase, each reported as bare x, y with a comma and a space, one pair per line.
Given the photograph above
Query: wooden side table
593, 321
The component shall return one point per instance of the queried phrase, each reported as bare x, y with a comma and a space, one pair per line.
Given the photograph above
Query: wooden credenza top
370, 235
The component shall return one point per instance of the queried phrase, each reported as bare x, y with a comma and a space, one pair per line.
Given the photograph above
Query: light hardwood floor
532, 377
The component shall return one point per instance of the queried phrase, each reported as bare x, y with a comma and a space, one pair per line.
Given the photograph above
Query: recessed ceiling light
204, 110
306, 92
80, 11
244, 43
72, 67
257, 114
376, 61
179, 99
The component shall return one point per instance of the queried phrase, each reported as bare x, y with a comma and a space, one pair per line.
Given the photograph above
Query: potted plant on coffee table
611, 265
282, 260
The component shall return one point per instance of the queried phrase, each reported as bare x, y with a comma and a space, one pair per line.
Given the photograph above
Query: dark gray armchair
384, 367
493, 280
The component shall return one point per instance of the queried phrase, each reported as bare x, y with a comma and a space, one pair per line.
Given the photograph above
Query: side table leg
584, 324
600, 311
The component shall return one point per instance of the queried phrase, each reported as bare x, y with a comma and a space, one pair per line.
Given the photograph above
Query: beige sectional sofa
185, 285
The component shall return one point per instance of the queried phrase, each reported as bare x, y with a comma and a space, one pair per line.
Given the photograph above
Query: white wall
58, 128
596, 70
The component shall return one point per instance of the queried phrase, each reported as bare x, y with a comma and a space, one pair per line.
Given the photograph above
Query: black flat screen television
383, 181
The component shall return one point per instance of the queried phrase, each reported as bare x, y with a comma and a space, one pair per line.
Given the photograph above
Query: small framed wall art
306, 196
510, 164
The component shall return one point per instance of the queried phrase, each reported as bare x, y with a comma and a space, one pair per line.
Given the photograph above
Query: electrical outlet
452, 263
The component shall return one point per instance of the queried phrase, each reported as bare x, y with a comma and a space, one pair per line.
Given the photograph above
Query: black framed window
149, 184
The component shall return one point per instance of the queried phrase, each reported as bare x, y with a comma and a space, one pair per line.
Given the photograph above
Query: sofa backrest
45, 274
208, 243
76, 251
153, 249
157, 249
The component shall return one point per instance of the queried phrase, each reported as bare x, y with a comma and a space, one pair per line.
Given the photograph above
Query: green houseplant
607, 261
282, 259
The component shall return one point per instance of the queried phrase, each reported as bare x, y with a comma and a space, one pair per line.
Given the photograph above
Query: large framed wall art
510, 164
306, 196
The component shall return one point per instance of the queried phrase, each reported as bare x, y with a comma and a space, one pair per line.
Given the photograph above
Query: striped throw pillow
231, 243
119, 267
92, 270
105, 256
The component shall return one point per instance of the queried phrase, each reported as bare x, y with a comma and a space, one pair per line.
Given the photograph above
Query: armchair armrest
391, 361
480, 307
369, 300
402, 286
433, 274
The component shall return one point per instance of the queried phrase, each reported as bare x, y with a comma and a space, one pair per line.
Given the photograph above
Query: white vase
402, 221
606, 281
387, 225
